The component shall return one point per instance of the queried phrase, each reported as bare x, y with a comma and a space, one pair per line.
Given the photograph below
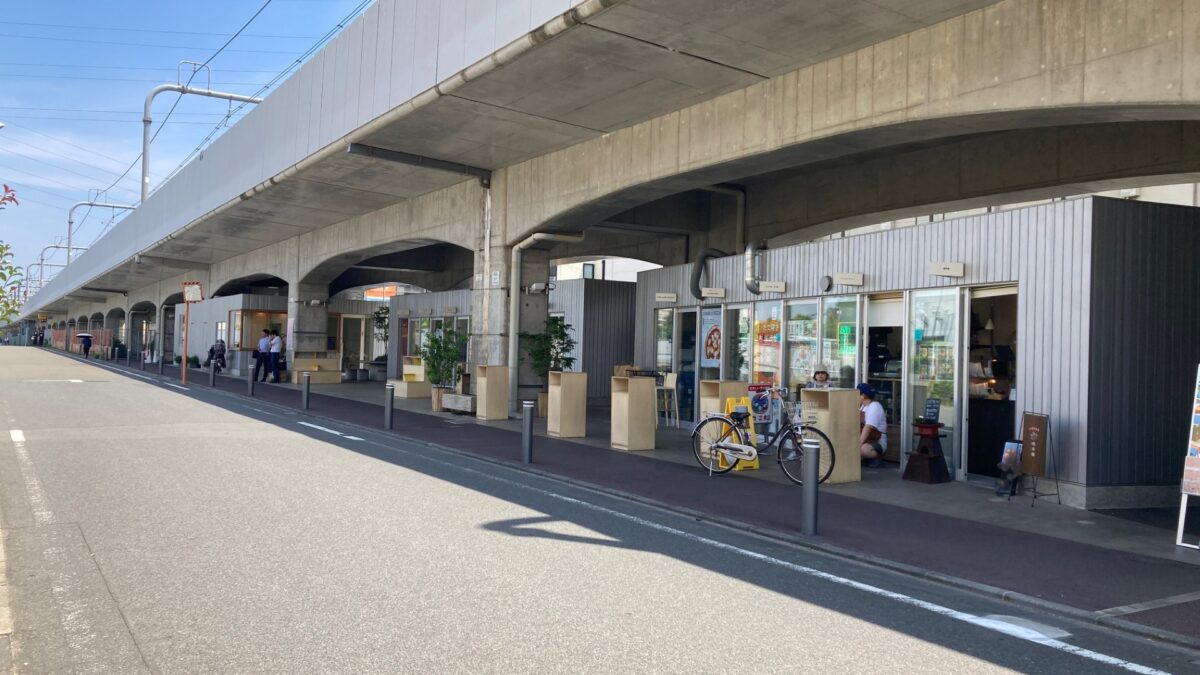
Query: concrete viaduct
432, 136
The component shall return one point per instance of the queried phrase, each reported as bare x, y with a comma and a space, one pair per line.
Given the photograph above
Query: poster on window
1191, 463
710, 330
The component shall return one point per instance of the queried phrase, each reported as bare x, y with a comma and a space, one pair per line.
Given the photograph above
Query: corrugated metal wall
567, 299
1045, 249
1145, 326
417, 305
601, 312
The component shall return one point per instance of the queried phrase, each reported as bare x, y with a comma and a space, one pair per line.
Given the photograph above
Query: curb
777, 536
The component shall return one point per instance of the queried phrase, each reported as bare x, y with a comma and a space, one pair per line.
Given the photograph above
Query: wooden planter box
835, 411
491, 392
633, 413
566, 416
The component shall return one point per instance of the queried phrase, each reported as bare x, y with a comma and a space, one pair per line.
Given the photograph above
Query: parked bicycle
721, 441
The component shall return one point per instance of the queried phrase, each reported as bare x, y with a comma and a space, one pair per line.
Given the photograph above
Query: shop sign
710, 330
772, 286
712, 292
846, 342
1191, 463
666, 297
848, 279
1035, 439
947, 269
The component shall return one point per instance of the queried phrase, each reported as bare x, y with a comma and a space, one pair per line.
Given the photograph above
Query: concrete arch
267, 284
1018, 65
428, 263
96, 320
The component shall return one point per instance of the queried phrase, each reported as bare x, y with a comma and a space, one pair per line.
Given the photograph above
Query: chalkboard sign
1035, 443
933, 410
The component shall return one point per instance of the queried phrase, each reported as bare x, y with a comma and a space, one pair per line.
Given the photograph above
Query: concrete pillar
308, 316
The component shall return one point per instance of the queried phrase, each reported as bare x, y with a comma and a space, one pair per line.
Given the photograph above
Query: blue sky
71, 98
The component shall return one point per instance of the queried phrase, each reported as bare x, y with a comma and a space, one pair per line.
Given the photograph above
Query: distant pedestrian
216, 355
276, 348
262, 355
87, 345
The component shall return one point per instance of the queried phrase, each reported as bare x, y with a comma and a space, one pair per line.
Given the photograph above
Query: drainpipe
514, 304
752, 273
739, 241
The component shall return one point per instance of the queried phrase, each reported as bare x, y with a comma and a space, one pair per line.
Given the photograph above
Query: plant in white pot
549, 351
440, 355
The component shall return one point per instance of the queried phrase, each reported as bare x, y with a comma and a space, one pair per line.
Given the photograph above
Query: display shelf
567, 408
633, 413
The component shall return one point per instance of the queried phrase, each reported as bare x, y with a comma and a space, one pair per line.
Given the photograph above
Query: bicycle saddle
739, 415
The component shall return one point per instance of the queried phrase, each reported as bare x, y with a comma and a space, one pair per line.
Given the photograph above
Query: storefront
413, 317
972, 320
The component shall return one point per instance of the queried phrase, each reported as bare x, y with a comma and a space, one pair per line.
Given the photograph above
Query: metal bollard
250, 383
304, 393
162, 361
812, 463
389, 399
527, 432
212, 375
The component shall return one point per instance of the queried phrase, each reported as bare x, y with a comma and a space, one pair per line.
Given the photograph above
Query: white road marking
42, 515
41, 381
169, 384
1150, 604
260, 410
999, 626
327, 430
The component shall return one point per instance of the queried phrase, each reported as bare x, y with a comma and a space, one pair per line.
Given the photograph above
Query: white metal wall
1045, 249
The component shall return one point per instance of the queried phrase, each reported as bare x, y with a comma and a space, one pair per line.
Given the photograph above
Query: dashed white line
989, 623
327, 430
42, 514
169, 384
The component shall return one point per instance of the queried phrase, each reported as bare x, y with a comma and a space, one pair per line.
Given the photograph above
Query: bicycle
720, 442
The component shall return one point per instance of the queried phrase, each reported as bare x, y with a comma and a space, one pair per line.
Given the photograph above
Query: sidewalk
1108, 569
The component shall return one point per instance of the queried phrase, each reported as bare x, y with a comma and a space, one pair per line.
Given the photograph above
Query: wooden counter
835, 412
567, 414
633, 413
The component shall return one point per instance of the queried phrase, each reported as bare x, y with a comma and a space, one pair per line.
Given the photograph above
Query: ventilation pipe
514, 304
698, 269
753, 273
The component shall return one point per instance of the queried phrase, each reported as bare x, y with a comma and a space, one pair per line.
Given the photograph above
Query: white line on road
327, 430
42, 514
41, 381
176, 386
1003, 627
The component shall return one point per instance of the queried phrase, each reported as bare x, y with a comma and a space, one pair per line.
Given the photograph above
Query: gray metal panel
1144, 321
610, 309
1044, 249
433, 304
567, 298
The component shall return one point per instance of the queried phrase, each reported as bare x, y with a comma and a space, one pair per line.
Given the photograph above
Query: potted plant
549, 351
440, 356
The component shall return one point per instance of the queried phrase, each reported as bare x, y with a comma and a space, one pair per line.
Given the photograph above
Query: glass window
840, 340
462, 326
737, 344
331, 334
589, 271
802, 341
664, 337
402, 338
768, 343
235, 322
222, 331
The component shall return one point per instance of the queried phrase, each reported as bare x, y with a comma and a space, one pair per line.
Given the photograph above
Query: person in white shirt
275, 347
262, 355
873, 439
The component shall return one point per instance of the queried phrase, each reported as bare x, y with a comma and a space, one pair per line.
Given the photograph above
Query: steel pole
389, 399
812, 463
250, 381
71, 221
527, 432
212, 373
304, 385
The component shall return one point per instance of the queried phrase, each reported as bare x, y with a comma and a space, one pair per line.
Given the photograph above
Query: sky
74, 76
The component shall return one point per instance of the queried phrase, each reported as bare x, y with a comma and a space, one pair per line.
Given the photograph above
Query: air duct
753, 273
698, 269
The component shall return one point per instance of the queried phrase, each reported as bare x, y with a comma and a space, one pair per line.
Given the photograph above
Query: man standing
262, 355
275, 347
87, 345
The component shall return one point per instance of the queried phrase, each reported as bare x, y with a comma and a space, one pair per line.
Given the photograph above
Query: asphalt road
150, 528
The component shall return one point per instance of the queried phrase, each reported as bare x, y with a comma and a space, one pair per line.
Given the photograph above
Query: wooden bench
460, 403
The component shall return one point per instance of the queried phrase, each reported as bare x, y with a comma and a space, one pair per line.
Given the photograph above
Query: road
150, 528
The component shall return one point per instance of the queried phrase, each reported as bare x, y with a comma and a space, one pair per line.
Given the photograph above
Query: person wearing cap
820, 380
873, 439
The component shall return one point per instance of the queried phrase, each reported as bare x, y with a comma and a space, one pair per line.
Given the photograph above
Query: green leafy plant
10, 276
550, 350
193, 362
178, 360
440, 356
379, 319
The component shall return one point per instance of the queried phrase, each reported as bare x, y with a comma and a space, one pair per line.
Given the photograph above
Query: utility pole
71, 220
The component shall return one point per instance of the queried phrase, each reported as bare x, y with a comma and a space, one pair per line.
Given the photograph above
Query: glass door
839, 349
933, 338
802, 349
686, 382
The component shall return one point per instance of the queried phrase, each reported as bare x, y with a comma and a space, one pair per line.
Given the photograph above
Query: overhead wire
96, 67
275, 80
138, 44
178, 98
114, 79
152, 30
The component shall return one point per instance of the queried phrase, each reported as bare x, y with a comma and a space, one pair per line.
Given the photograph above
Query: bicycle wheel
709, 432
791, 453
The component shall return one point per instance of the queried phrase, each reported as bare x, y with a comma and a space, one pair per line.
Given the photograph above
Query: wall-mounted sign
450, 311
712, 292
947, 269
848, 279
772, 286
478, 279
666, 297
496, 278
